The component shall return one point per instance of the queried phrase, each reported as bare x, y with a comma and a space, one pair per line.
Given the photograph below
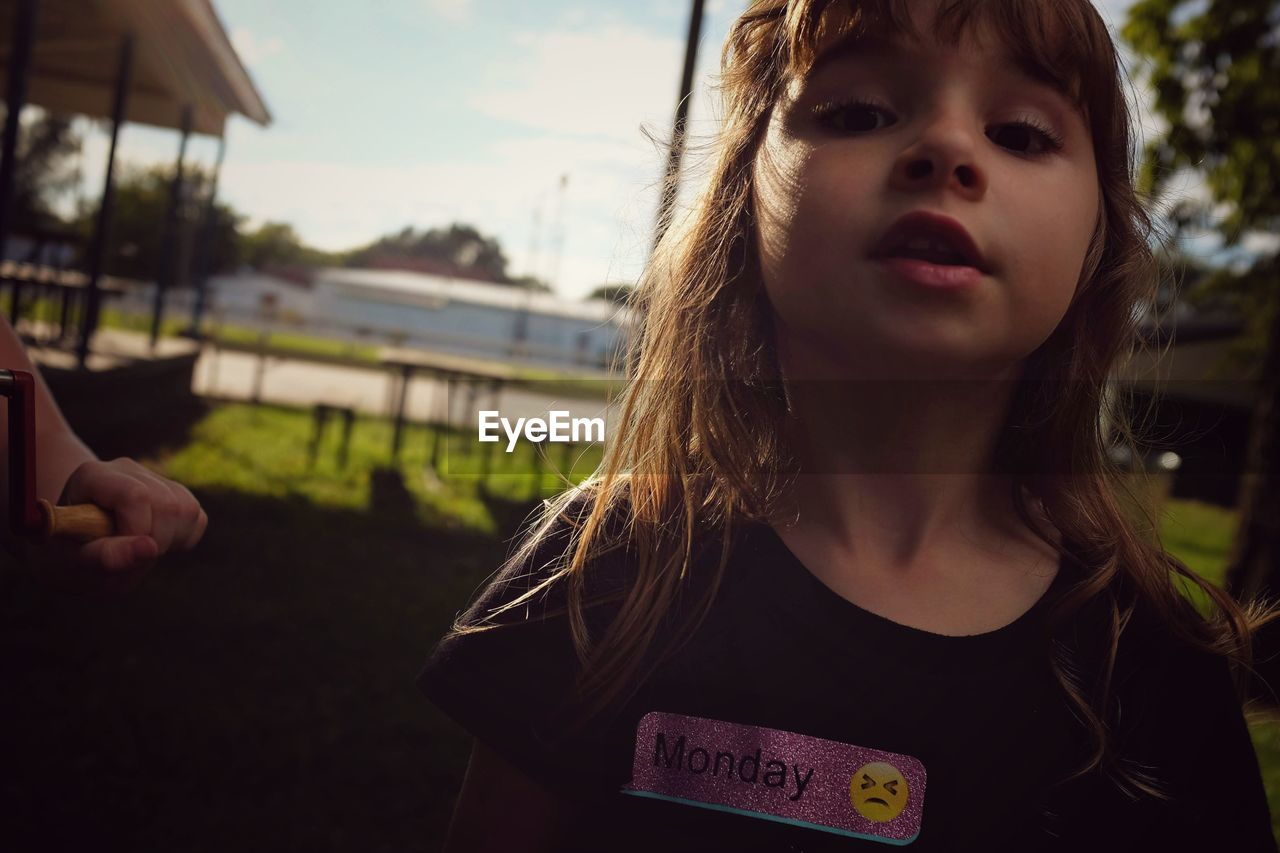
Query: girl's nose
944, 156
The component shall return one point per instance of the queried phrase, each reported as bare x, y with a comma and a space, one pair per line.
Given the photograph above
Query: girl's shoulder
533, 581
506, 669
1156, 654
1161, 663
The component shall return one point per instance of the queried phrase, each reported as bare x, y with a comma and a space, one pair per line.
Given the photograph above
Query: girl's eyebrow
875, 45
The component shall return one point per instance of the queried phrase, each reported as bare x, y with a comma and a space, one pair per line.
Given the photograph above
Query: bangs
1061, 43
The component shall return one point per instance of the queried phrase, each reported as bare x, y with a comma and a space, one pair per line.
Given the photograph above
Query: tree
44, 170
277, 244
458, 248
619, 293
530, 282
1215, 69
138, 224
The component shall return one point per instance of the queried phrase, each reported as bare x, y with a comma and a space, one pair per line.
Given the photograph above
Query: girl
853, 572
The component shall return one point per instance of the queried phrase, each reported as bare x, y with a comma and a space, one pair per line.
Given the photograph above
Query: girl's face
884, 128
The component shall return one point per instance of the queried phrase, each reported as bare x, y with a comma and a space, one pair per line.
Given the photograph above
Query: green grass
266, 451
284, 343
47, 309
1200, 535
114, 319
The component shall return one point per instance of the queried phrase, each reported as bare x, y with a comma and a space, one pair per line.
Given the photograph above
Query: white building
432, 312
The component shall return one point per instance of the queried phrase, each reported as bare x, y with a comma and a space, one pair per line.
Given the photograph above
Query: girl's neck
898, 471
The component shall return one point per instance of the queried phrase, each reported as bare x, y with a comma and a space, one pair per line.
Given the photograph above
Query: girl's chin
895, 357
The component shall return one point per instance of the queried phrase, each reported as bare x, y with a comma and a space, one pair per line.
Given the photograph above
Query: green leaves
1215, 71
1214, 67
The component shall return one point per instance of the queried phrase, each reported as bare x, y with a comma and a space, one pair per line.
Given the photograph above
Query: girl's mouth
931, 274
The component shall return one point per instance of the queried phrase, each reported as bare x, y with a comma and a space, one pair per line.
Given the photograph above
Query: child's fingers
173, 510
175, 514
144, 503
182, 521
117, 489
119, 553
197, 532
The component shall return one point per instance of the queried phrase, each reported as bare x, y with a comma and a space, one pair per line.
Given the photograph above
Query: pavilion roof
182, 57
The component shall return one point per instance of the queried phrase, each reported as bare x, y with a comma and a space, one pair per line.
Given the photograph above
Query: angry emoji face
878, 791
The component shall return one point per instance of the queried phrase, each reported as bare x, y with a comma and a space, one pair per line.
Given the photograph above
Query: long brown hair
701, 445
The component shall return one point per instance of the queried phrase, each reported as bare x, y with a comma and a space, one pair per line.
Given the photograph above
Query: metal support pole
344, 449
319, 415
255, 395
441, 429
168, 257
24, 36
101, 228
486, 464
204, 252
671, 181
397, 429
473, 392
495, 391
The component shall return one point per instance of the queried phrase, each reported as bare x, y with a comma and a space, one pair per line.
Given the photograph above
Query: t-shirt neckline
803, 593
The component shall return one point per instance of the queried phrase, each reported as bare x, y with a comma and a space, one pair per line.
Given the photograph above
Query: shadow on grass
389, 497
255, 694
168, 428
509, 515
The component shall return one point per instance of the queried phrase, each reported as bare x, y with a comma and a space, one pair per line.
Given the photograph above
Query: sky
539, 123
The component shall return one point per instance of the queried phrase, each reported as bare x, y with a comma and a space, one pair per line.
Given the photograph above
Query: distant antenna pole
535, 234
670, 181
557, 233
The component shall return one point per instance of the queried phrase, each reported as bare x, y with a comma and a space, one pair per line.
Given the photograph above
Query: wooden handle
82, 522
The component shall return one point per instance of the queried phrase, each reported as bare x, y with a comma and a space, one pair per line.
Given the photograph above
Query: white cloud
605, 82
456, 11
254, 49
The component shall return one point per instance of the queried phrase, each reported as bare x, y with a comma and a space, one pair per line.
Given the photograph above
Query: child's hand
153, 516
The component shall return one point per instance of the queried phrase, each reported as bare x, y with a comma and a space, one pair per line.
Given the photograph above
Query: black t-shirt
785, 678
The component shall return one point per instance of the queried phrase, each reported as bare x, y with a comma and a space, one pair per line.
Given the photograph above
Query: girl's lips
941, 276
935, 226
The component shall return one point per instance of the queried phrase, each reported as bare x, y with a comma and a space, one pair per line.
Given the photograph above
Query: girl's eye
851, 116
1027, 137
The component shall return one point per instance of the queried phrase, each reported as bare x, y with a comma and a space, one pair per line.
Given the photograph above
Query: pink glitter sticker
780, 776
